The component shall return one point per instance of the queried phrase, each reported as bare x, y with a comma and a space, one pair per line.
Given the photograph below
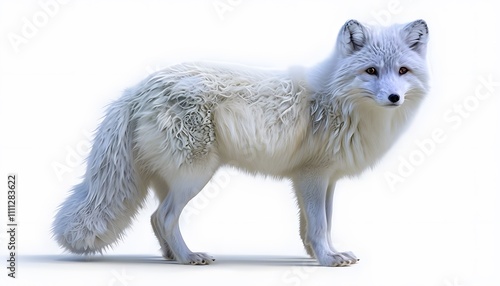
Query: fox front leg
314, 195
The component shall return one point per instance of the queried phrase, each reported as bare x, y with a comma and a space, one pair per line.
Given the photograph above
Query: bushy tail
99, 209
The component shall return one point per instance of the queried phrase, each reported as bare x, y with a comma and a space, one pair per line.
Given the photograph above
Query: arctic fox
172, 131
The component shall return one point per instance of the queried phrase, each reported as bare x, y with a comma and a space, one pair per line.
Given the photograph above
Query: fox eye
403, 70
371, 71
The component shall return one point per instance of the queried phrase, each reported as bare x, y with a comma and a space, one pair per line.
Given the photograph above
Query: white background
60, 64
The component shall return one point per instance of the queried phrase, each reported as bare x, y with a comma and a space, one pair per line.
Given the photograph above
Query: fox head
385, 65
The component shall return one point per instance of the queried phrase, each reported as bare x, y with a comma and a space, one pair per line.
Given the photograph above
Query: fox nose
393, 98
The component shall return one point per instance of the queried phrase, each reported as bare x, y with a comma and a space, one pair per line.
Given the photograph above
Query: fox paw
198, 258
345, 258
339, 259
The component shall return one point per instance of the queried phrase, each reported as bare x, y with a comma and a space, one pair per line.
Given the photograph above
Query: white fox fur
314, 126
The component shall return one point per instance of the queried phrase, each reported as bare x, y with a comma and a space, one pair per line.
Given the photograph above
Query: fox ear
352, 37
416, 35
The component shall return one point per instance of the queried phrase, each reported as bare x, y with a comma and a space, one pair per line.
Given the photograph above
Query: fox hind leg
165, 249
161, 189
303, 229
166, 218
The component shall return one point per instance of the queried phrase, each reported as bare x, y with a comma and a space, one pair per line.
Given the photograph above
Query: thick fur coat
171, 132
